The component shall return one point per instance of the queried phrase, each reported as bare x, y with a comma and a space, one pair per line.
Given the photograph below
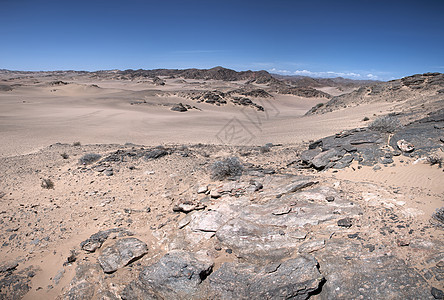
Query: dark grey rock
177, 275
330, 198
96, 240
179, 107
16, 285
308, 155
312, 246
437, 293
85, 282
296, 185
156, 153
387, 161
346, 222
121, 253
438, 217
296, 278
321, 160
8, 266
258, 242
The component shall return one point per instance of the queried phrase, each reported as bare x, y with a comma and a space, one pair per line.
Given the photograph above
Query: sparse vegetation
64, 155
223, 169
47, 183
89, 158
265, 148
76, 144
435, 160
385, 124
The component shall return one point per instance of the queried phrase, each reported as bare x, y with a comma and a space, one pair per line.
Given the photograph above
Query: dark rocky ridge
417, 93
370, 147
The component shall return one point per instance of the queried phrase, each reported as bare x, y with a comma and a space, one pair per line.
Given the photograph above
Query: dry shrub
223, 169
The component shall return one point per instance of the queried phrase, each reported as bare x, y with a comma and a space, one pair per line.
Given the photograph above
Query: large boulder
295, 278
121, 253
177, 275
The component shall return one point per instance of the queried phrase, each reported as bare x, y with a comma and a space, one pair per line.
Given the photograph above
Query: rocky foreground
134, 222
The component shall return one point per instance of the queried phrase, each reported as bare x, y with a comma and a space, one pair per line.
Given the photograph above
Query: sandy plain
39, 121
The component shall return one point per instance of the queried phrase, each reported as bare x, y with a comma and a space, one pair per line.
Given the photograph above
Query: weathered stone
312, 246
186, 206
346, 222
405, 146
215, 194
256, 241
330, 198
352, 276
96, 240
321, 160
8, 266
177, 275
208, 221
296, 185
292, 279
308, 155
202, 189
282, 211
83, 285
121, 253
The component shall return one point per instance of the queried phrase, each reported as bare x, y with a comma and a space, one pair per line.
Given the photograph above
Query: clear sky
356, 39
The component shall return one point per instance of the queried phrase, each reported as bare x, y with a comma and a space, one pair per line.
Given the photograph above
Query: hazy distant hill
304, 81
417, 93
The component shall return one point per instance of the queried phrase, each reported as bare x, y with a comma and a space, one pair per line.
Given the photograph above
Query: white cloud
324, 74
372, 77
282, 72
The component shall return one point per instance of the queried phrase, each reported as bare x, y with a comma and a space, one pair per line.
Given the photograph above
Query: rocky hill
217, 73
305, 81
417, 95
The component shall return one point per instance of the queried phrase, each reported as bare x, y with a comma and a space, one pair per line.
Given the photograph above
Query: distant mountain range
216, 73
303, 81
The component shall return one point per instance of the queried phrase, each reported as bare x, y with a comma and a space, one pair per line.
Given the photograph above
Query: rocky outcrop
177, 275
418, 93
121, 253
96, 240
295, 278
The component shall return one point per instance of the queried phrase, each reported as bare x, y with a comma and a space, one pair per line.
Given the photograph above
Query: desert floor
38, 122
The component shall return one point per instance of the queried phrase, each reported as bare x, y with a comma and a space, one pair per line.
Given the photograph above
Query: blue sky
357, 39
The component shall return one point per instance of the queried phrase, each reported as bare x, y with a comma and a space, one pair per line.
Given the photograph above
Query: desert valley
218, 184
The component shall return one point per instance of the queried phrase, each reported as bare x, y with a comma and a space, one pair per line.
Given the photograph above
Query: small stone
217, 248
330, 198
402, 243
311, 246
282, 211
8, 266
109, 172
346, 222
202, 189
377, 167
405, 146
229, 251
215, 194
